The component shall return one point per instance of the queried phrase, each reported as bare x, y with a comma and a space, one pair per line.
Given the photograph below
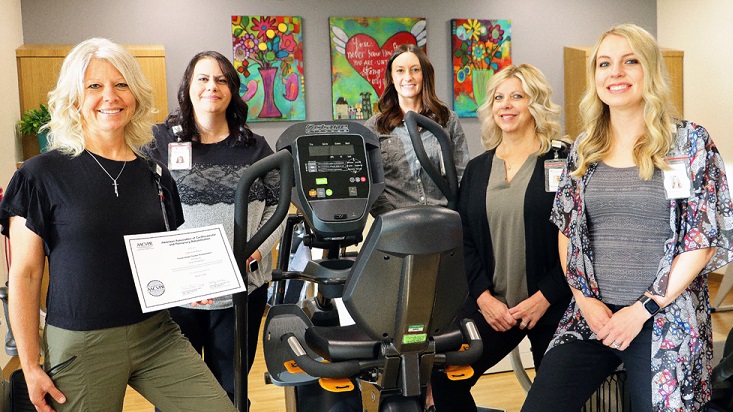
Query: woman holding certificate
74, 204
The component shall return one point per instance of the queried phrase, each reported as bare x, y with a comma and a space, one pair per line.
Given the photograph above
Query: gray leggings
152, 356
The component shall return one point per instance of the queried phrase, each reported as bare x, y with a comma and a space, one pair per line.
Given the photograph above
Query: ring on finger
615, 345
524, 324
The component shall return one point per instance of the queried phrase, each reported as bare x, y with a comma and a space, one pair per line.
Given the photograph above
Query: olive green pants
152, 356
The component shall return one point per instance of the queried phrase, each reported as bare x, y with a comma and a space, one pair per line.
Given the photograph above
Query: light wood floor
499, 390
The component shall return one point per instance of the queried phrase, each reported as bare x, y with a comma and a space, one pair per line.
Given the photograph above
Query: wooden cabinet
575, 82
39, 66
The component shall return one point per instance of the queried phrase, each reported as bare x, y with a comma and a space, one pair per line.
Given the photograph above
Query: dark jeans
212, 332
456, 395
572, 372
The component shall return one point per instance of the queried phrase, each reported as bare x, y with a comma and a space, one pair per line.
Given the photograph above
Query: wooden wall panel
39, 66
575, 82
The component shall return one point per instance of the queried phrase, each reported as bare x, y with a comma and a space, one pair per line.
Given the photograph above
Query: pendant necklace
114, 179
509, 166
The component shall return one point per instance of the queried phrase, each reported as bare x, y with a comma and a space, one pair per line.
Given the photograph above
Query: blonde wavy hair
544, 112
64, 102
651, 148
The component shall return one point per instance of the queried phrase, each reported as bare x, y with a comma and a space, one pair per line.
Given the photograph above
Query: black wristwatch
649, 304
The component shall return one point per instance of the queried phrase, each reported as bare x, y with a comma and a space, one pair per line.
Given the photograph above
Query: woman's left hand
257, 255
529, 311
623, 326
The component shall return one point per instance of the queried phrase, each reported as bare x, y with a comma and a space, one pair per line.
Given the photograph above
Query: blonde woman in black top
516, 285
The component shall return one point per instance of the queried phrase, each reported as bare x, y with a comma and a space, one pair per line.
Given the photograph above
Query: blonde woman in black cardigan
516, 284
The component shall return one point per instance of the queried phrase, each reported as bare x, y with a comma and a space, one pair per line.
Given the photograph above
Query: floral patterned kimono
682, 332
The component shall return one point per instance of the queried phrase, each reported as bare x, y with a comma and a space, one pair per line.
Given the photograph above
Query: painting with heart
360, 49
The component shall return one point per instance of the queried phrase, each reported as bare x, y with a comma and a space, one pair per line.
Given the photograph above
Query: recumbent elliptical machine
403, 289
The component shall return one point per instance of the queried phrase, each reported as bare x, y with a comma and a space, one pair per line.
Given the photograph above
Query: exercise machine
403, 289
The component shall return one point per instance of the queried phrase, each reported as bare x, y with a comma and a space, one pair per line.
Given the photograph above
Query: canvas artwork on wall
268, 55
480, 48
360, 49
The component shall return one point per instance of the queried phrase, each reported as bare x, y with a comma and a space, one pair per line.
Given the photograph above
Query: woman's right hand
495, 312
39, 385
595, 312
25, 278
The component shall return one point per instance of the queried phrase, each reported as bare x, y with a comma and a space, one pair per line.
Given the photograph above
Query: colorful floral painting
360, 49
268, 55
480, 48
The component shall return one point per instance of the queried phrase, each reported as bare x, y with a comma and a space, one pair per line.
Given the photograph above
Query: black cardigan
542, 259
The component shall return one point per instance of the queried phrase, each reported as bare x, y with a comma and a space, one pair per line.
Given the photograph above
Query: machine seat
339, 343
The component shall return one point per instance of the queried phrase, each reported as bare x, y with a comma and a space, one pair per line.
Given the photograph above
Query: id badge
179, 156
677, 182
553, 172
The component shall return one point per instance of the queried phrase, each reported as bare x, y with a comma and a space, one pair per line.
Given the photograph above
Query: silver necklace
521, 153
114, 179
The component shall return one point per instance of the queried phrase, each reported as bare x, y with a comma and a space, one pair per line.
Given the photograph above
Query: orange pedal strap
458, 373
336, 385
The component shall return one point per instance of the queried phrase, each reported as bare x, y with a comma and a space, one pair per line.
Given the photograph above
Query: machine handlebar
243, 248
346, 369
448, 185
468, 356
343, 369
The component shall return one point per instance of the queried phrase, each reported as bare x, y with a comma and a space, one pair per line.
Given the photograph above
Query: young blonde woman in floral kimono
636, 248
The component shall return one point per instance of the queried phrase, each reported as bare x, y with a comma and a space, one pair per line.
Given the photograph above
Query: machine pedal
293, 367
336, 385
459, 373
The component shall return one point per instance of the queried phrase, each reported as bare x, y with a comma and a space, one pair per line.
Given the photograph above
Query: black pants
212, 332
456, 395
572, 372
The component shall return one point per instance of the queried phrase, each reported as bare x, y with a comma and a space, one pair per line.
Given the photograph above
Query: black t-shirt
71, 204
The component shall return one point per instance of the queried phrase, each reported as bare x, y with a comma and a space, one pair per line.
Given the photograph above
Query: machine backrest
408, 282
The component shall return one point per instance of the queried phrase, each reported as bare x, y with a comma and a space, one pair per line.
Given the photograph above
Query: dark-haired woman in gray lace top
213, 146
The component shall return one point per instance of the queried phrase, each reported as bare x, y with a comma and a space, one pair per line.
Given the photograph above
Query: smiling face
619, 75
510, 107
407, 76
209, 90
108, 103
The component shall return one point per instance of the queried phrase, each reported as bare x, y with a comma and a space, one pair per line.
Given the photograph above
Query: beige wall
703, 30
11, 36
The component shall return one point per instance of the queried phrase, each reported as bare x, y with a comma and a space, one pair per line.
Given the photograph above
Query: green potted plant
31, 122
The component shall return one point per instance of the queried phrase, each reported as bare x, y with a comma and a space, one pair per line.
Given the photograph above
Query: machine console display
338, 176
333, 167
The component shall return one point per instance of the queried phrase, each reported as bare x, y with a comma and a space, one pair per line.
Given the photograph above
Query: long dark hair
236, 111
391, 114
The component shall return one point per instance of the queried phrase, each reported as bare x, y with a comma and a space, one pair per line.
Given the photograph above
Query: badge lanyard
553, 169
179, 153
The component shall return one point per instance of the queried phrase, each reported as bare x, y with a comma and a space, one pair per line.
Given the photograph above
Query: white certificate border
145, 306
